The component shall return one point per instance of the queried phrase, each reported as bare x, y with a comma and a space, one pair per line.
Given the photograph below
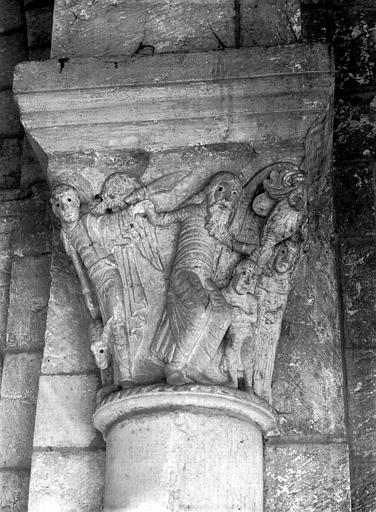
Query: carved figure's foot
175, 377
125, 384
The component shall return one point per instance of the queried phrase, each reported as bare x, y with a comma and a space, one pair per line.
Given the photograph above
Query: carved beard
217, 220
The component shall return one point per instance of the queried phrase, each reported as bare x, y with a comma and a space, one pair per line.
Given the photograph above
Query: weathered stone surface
359, 291
67, 482
28, 302
354, 44
12, 51
354, 196
10, 123
31, 171
14, 490
307, 477
355, 132
16, 433
181, 110
314, 23
64, 414
10, 160
39, 27
361, 374
7, 225
363, 485
33, 235
269, 22
11, 15
21, 376
85, 28
67, 346
39, 53
308, 375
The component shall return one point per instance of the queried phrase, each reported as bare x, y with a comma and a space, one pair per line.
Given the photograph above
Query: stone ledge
172, 100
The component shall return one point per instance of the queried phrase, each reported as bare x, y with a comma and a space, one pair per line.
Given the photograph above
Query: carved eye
220, 188
57, 205
69, 199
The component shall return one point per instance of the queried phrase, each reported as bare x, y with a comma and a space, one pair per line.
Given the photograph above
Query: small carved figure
196, 316
284, 205
271, 290
240, 294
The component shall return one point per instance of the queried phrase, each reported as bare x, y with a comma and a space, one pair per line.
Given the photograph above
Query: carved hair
282, 183
64, 187
246, 263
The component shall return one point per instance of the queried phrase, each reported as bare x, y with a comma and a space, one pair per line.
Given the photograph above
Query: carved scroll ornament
209, 331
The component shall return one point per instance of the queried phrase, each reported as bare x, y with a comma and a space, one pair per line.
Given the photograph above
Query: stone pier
184, 172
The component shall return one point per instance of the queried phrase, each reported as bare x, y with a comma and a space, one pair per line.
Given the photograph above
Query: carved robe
196, 316
259, 356
107, 246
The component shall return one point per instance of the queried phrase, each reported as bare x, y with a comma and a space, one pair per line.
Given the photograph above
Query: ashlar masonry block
14, 490
30, 283
21, 376
16, 433
65, 407
307, 477
68, 482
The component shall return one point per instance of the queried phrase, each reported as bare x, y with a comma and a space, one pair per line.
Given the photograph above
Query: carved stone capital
182, 183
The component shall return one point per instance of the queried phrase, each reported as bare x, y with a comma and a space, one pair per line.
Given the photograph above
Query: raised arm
147, 208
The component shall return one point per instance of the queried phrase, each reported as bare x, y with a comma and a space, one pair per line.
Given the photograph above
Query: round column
195, 448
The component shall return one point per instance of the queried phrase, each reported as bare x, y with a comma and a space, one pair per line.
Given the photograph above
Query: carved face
66, 205
297, 198
226, 193
285, 257
244, 279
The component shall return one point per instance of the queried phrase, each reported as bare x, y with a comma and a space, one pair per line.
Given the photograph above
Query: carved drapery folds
235, 245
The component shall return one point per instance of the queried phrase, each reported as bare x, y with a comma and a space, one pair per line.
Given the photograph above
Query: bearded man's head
223, 194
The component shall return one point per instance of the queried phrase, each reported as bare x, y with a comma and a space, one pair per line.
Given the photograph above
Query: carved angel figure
102, 248
197, 315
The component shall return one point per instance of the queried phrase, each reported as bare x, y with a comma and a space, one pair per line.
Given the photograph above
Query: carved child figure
84, 240
240, 294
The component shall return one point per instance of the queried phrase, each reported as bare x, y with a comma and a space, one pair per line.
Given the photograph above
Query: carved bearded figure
197, 315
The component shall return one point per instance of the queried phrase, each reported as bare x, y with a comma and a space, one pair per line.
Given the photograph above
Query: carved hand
136, 196
145, 207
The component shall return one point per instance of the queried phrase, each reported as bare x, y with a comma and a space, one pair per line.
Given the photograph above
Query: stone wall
351, 26
24, 255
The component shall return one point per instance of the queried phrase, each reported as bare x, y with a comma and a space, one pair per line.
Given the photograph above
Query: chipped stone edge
201, 399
